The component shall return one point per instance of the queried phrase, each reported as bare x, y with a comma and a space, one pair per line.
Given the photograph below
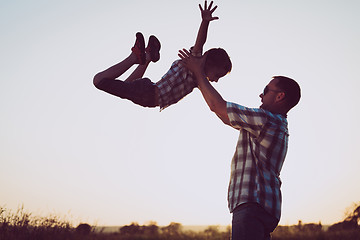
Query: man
254, 195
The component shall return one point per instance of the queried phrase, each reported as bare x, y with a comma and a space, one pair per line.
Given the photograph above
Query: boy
176, 83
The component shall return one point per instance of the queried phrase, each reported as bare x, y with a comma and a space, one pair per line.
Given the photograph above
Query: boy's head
217, 64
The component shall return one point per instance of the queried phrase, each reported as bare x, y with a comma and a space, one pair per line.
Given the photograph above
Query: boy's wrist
195, 53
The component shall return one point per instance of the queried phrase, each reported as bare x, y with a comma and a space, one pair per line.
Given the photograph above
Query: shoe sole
140, 44
154, 48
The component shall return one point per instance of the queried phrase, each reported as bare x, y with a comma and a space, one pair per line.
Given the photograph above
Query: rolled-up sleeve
249, 119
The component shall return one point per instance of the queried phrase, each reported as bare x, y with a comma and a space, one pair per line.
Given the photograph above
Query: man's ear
280, 97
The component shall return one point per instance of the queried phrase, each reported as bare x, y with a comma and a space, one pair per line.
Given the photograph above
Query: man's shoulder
249, 110
237, 111
234, 107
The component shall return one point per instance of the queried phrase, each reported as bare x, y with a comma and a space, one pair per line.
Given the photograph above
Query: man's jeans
252, 222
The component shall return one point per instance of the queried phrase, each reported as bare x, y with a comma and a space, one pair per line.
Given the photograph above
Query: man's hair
219, 59
291, 89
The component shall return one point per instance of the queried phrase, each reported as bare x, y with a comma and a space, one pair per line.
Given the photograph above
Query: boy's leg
138, 72
137, 56
152, 55
141, 91
144, 92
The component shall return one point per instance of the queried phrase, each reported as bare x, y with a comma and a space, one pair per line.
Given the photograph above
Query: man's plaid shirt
258, 159
175, 84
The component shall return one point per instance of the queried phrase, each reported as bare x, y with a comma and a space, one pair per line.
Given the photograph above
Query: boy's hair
219, 59
291, 89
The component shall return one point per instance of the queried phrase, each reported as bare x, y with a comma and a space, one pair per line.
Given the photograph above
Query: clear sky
68, 148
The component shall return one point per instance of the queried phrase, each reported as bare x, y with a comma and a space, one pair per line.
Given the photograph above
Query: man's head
280, 95
217, 64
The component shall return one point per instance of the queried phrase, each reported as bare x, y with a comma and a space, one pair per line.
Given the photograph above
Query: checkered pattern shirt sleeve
258, 159
175, 84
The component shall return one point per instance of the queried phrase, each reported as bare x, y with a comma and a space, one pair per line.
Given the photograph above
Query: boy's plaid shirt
175, 84
258, 159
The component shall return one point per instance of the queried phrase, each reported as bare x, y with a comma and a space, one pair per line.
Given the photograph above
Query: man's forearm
212, 97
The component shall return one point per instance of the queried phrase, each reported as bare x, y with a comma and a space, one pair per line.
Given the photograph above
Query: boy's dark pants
141, 91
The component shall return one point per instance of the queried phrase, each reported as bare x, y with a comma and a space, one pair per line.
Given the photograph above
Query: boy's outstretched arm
206, 15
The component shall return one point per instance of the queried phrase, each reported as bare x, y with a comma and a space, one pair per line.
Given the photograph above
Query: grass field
21, 225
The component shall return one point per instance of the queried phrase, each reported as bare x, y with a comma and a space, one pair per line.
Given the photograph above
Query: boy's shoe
153, 48
139, 48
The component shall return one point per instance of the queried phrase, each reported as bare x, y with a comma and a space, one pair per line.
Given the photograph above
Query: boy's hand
206, 12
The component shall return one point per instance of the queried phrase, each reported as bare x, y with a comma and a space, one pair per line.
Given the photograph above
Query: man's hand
206, 12
193, 64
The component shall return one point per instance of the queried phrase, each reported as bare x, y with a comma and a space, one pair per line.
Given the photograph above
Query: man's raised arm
212, 97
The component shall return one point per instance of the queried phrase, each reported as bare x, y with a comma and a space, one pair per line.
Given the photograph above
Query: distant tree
174, 229
151, 229
312, 227
344, 225
133, 229
212, 231
282, 230
356, 213
83, 229
350, 222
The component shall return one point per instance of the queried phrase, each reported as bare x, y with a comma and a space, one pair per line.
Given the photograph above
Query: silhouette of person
176, 83
254, 195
